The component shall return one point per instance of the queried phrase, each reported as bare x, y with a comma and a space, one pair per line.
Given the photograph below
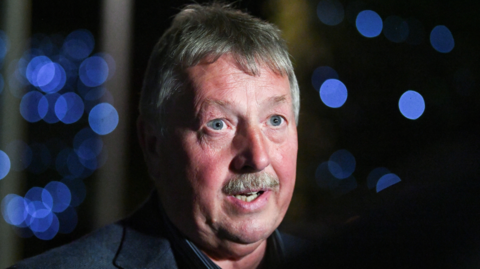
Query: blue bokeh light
322, 73
369, 23
88, 146
411, 105
93, 71
330, 12
341, 164
68, 163
375, 175
77, 189
69, 107
51, 117
14, 209
60, 194
34, 106
41, 158
20, 155
442, 39
68, 220
5, 164
40, 71
51, 230
78, 44
386, 181
58, 80
395, 29
103, 118
333, 93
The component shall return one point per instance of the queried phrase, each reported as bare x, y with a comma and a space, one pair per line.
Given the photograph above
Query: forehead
223, 81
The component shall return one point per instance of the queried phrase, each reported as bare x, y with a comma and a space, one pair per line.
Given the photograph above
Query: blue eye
276, 120
216, 124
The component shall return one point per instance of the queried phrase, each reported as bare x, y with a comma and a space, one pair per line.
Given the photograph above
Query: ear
150, 142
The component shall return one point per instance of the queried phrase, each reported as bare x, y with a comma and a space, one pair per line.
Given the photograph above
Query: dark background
431, 214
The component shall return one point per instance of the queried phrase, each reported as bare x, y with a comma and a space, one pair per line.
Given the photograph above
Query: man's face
231, 127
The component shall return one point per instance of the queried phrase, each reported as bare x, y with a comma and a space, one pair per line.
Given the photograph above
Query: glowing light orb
341, 164
442, 39
93, 71
69, 107
387, 181
330, 12
34, 106
333, 93
375, 175
321, 74
78, 44
395, 29
4, 164
369, 23
411, 105
103, 118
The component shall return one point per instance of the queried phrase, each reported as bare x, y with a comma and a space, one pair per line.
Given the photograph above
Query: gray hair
210, 31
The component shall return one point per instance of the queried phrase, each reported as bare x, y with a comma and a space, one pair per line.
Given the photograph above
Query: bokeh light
88, 147
375, 175
69, 107
333, 93
68, 220
442, 39
40, 71
416, 32
78, 44
4, 164
395, 29
103, 118
51, 117
14, 209
20, 155
411, 105
77, 189
34, 106
386, 181
60, 194
93, 71
330, 12
369, 23
58, 80
52, 228
322, 73
341, 164
68, 164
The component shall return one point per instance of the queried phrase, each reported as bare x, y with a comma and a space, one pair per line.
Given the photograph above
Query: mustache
245, 183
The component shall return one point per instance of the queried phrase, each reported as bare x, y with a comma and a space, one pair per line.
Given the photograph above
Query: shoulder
94, 250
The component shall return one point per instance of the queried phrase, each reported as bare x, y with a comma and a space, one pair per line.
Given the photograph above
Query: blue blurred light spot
442, 39
74, 165
41, 158
40, 222
58, 80
330, 12
93, 71
110, 62
40, 71
369, 24
44, 199
68, 220
68, 163
395, 29
324, 178
88, 147
103, 118
52, 228
14, 209
51, 117
411, 105
375, 175
69, 107
4, 164
333, 93
341, 164
34, 106
387, 181
321, 74
77, 189
79, 44
416, 31
60, 194
20, 154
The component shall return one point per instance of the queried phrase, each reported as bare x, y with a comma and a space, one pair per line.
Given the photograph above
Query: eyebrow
272, 101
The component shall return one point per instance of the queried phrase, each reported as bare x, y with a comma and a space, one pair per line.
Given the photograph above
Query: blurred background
389, 148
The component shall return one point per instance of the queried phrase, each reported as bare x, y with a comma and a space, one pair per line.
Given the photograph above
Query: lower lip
249, 207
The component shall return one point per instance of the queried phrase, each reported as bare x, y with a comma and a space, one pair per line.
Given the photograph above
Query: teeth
247, 197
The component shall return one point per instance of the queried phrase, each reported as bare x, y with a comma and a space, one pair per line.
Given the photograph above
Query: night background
389, 148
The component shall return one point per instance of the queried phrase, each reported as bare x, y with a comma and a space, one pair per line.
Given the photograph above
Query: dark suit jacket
139, 241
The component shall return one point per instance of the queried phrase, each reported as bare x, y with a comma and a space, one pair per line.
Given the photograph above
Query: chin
248, 232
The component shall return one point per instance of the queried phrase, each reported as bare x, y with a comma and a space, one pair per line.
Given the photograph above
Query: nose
251, 151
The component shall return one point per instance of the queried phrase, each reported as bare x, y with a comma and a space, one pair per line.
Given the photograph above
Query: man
217, 126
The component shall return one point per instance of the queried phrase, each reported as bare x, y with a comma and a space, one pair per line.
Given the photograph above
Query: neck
251, 260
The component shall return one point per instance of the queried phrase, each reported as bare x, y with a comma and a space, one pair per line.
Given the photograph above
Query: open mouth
248, 197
